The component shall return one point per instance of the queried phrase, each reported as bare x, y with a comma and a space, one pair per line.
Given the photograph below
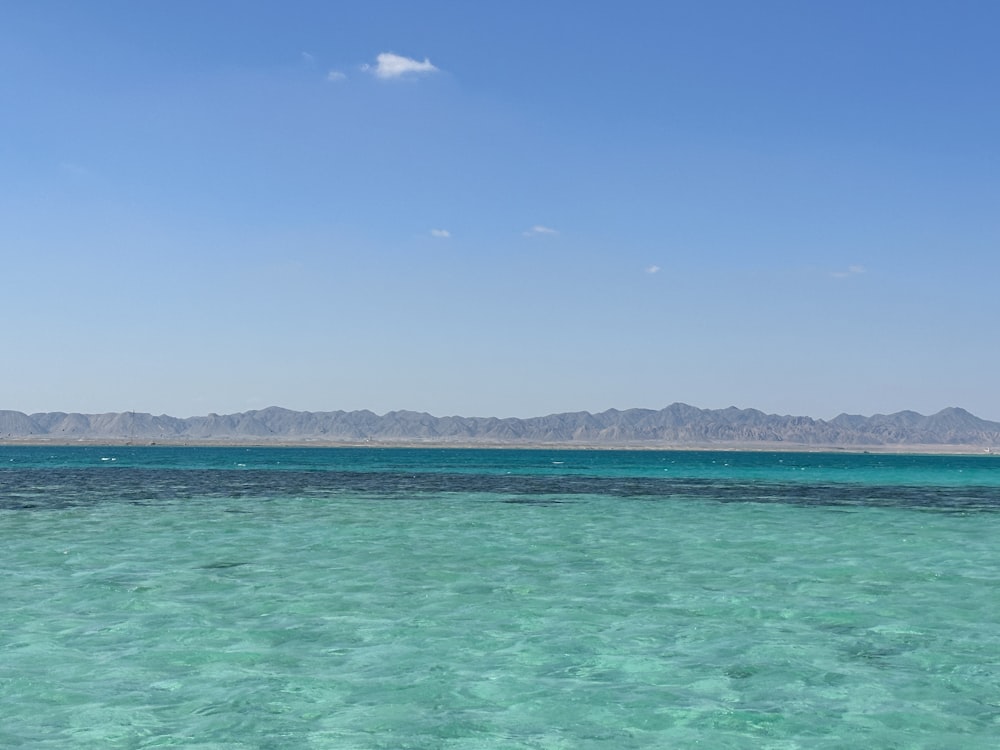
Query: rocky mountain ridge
676, 425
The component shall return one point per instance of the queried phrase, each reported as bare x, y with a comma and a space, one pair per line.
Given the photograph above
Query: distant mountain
676, 425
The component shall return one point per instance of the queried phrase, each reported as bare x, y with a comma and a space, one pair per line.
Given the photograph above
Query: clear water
384, 598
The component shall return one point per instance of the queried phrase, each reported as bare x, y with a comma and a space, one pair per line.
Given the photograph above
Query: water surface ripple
537, 600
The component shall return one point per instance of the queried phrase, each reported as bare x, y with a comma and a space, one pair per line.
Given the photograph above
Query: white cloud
851, 271
77, 170
539, 229
443, 233
389, 65
335, 75
307, 58
653, 269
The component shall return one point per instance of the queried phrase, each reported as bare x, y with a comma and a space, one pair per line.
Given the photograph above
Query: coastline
720, 447
677, 427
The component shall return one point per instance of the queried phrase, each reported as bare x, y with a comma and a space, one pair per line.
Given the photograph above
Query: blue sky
507, 209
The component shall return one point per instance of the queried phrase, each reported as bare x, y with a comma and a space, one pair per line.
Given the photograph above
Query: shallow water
392, 598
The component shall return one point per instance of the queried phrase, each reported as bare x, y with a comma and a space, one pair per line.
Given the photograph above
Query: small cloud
335, 75
307, 58
74, 169
388, 65
653, 269
539, 229
442, 233
851, 271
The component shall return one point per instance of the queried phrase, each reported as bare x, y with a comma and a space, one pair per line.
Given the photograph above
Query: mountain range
676, 425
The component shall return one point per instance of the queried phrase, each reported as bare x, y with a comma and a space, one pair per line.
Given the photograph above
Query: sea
234, 597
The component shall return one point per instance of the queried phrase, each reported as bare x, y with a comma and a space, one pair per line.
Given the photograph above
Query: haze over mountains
676, 425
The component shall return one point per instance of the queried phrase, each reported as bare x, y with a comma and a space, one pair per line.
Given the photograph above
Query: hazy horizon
514, 210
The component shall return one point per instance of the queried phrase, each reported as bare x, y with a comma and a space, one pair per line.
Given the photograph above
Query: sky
500, 208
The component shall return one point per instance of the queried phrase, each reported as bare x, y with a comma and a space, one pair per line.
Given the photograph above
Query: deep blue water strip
53, 488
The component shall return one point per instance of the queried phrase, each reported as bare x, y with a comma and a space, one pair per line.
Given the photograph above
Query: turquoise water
394, 598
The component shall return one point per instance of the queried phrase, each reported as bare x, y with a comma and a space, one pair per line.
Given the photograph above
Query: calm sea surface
409, 598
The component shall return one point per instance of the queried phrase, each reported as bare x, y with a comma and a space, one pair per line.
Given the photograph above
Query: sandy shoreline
764, 447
